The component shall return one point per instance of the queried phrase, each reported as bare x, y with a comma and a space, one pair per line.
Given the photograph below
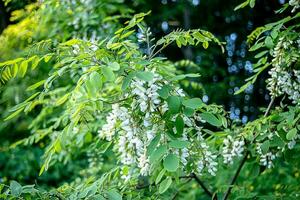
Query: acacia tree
116, 98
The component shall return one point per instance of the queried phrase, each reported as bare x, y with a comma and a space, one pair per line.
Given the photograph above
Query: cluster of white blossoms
232, 148
265, 159
295, 4
285, 80
132, 136
148, 98
185, 151
207, 160
108, 129
132, 128
293, 142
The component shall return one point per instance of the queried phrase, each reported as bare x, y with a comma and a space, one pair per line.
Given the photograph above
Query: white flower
184, 152
207, 160
291, 144
108, 129
232, 148
144, 165
284, 79
267, 159
295, 4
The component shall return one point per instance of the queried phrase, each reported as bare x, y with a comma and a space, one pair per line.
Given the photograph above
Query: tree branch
191, 176
234, 178
197, 179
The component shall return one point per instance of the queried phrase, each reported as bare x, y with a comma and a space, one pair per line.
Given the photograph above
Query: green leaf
164, 91
126, 81
63, 99
260, 54
154, 142
93, 84
108, 74
14, 114
11, 62
47, 58
291, 134
96, 80
179, 124
244, 87
114, 66
164, 185
265, 146
23, 68
159, 176
127, 34
15, 70
252, 3
174, 103
183, 76
211, 119
188, 111
71, 42
205, 44
269, 42
171, 163
256, 46
274, 33
36, 85
179, 144
242, 5
35, 63
15, 188
193, 103
145, 76
114, 195
158, 153
103, 148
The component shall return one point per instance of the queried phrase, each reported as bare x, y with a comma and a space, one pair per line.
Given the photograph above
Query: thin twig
269, 107
158, 51
234, 178
197, 179
191, 176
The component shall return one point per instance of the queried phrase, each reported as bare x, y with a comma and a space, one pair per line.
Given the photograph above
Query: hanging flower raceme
284, 79
232, 148
265, 159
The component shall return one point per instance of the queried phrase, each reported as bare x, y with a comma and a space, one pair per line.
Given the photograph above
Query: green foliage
118, 106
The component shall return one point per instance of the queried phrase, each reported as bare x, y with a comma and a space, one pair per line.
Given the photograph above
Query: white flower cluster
133, 127
148, 98
131, 143
184, 152
108, 129
207, 160
133, 137
232, 148
295, 4
293, 142
265, 159
284, 80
